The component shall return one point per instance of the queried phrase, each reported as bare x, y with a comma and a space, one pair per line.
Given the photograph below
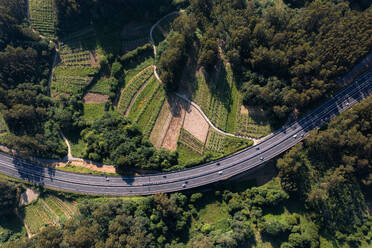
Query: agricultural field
71, 80
143, 99
223, 106
49, 210
224, 144
191, 142
101, 87
252, 122
78, 66
149, 113
93, 111
132, 87
43, 17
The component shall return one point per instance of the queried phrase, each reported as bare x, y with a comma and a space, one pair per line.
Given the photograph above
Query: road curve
212, 172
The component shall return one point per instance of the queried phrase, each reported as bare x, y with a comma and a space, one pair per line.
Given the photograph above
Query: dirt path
136, 95
279, 4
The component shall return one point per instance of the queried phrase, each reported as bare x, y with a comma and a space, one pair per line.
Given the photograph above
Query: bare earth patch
195, 124
103, 168
178, 115
243, 110
95, 98
161, 125
28, 196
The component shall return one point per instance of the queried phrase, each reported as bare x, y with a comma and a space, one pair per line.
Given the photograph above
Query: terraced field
225, 145
45, 211
76, 69
148, 115
43, 17
191, 142
132, 87
226, 111
143, 99
71, 80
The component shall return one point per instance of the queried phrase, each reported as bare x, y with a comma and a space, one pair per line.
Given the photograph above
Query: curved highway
242, 162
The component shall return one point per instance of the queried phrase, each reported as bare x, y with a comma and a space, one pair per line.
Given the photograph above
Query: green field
225, 145
43, 17
101, 87
93, 111
143, 99
48, 210
149, 113
75, 70
132, 87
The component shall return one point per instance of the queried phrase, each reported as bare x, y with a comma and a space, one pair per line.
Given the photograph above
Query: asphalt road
242, 162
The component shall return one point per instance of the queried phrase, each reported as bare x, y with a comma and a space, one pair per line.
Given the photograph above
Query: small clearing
161, 126
195, 124
178, 114
95, 98
28, 196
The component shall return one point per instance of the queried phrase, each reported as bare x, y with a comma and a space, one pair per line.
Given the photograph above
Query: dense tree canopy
25, 62
114, 139
9, 197
332, 169
283, 59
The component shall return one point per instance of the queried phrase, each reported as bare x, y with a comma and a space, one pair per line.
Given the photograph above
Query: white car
220, 173
295, 136
261, 158
184, 185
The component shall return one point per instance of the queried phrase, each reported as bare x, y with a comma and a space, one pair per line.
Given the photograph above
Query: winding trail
255, 141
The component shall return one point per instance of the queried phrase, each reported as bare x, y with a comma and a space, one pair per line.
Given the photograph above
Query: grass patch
187, 156
93, 111
101, 87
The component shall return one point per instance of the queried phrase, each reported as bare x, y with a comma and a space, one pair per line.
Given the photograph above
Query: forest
25, 60
284, 60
